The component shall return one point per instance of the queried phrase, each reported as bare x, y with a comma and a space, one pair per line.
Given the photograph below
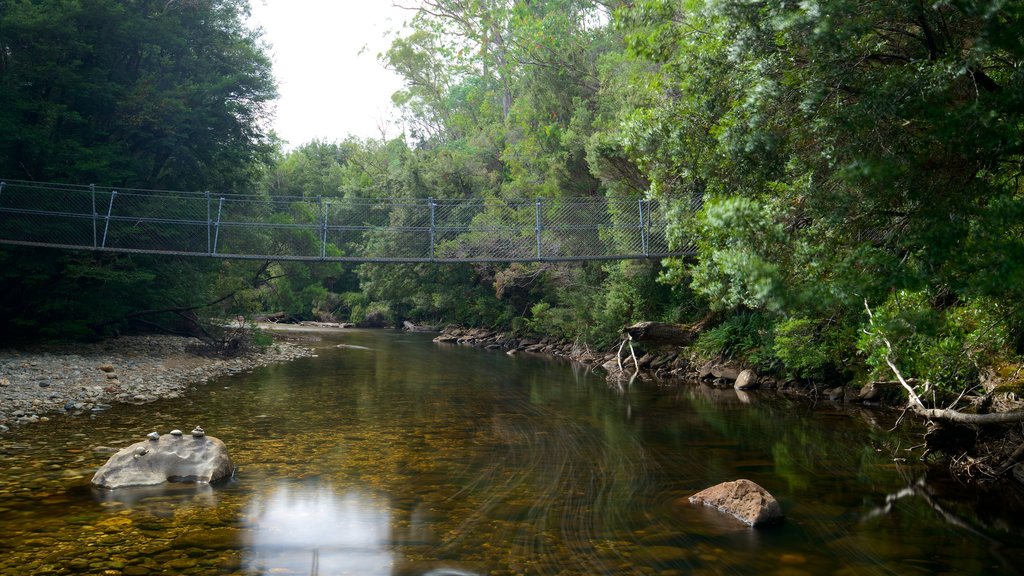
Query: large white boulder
168, 458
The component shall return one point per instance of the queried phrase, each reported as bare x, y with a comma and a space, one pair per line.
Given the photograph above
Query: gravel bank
37, 384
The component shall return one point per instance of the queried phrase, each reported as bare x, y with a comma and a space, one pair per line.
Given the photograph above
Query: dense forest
856, 167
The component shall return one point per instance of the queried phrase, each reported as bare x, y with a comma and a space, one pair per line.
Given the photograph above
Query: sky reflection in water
310, 527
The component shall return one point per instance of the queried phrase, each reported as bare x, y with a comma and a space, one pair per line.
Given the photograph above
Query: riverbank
622, 364
975, 454
45, 382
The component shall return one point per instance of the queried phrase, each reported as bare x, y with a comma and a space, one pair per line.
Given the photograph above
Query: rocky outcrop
652, 365
719, 369
743, 499
173, 457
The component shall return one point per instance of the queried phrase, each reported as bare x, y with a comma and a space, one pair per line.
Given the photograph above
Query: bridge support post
643, 226
433, 226
92, 192
323, 231
216, 230
539, 228
106, 225
209, 225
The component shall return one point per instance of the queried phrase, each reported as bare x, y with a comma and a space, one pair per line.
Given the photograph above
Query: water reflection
309, 529
159, 500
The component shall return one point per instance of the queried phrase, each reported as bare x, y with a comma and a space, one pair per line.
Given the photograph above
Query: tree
142, 94
840, 150
146, 94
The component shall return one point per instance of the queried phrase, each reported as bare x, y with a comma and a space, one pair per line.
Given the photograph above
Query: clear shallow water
411, 458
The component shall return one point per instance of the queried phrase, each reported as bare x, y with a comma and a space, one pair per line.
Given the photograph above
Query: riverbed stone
746, 380
168, 459
743, 499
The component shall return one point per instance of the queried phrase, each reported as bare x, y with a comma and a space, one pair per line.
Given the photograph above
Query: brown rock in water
168, 458
743, 499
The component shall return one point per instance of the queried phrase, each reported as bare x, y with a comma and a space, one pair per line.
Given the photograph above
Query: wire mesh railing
333, 228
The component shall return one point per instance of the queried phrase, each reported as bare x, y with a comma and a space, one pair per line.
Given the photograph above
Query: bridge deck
332, 229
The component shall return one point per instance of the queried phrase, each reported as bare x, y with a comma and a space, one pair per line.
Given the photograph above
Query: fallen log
661, 333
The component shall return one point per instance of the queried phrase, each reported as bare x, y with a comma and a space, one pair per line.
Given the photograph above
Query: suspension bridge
334, 229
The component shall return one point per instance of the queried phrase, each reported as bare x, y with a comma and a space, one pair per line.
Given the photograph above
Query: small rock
106, 367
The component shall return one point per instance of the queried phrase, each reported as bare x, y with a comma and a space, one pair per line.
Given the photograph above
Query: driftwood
410, 327
916, 406
661, 333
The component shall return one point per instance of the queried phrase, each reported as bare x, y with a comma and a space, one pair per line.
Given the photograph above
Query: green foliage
815, 349
839, 152
945, 346
737, 240
144, 94
746, 336
261, 339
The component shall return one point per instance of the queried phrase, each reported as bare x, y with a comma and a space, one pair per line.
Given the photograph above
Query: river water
388, 454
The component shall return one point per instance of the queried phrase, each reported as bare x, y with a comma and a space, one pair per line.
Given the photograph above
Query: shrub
746, 336
946, 346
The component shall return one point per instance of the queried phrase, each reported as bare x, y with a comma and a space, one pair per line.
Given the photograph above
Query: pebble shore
39, 383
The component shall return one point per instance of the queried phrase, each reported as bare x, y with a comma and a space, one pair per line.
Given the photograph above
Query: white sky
325, 61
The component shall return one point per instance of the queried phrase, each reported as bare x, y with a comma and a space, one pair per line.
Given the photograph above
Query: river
388, 454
